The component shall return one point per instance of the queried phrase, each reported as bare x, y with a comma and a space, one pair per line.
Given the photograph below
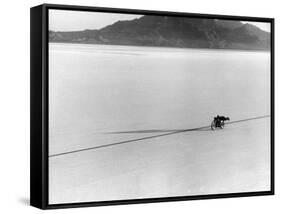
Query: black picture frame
39, 106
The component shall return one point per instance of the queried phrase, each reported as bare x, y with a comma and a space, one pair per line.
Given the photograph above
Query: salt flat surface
235, 159
97, 89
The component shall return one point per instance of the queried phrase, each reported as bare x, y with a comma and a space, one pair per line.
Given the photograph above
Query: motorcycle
218, 123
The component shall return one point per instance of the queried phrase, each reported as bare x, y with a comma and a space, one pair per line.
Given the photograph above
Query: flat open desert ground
101, 95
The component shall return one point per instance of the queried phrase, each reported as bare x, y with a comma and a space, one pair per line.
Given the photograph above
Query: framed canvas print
133, 106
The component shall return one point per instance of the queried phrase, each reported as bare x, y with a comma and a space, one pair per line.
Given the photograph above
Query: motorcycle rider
218, 120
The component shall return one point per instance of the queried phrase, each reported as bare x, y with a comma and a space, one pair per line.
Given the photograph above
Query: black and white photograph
145, 106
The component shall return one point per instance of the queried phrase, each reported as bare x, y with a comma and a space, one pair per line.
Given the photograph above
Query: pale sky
262, 25
67, 20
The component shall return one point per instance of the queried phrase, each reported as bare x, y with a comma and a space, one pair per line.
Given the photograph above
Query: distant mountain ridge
167, 31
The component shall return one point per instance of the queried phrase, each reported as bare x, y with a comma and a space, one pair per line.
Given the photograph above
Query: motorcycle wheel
213, 125
222, 125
